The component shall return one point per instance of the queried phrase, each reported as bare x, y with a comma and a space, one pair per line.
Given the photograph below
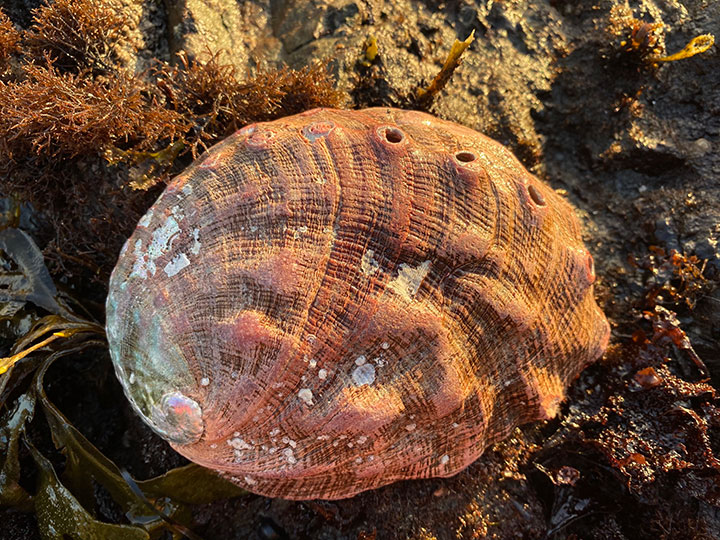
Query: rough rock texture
333, 301
239, 31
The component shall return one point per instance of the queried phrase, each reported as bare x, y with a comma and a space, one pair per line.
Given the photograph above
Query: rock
241, 32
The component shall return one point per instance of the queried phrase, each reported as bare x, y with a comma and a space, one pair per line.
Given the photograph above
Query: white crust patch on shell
161, 243
145, 221
195, 249
177, 263
163, 238
408, 281
368, 264
143, 266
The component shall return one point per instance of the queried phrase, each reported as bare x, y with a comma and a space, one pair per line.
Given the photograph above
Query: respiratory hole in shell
536, 196
392, 135
318, 129
465, 156
321, 128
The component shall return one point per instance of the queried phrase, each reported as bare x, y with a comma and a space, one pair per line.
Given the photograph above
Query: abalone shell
333, 301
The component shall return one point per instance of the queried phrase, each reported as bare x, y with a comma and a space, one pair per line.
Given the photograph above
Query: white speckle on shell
299, 232
306, 395
290, 456
239, 444
322, 374
205, 381
289, 441
364, 374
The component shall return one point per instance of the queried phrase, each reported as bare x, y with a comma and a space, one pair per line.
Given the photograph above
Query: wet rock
240, 32
298, 23
145, 34
666, 234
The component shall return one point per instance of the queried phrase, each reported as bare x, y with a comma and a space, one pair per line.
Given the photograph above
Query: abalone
337, 300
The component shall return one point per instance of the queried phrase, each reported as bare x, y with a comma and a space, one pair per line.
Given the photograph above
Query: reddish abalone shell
337, 300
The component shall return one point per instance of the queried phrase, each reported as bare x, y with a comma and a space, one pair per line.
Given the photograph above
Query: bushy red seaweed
65, 115
9, 40
77, 35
